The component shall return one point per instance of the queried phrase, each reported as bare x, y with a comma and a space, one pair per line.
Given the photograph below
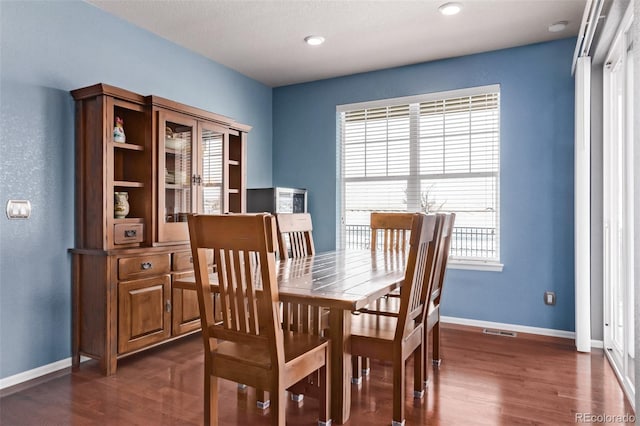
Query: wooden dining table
341, 281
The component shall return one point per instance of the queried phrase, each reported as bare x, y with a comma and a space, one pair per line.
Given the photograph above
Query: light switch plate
18, 209
549, 298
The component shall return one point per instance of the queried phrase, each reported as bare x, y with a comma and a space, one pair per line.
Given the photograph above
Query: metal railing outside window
466, 242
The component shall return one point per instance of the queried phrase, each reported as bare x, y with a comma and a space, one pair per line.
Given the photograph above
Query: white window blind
212, 172
432, 153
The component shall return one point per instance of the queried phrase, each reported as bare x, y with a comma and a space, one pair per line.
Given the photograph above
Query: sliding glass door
618, 208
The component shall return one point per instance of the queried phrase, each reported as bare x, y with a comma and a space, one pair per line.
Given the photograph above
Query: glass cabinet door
176, 198
211, 177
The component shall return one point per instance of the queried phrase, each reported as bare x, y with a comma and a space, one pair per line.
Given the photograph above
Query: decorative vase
118, 131
121, 204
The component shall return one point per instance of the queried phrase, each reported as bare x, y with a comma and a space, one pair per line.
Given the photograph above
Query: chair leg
436, 345
278, 408
418, 375
366, 366
262, 402
210, 400
325, 394
296, 397
425, 358
356, 370
398, 390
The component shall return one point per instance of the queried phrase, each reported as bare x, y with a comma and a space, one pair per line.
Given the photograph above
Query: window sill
475, 265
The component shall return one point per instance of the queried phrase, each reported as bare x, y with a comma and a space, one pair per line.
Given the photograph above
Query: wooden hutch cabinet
166, 160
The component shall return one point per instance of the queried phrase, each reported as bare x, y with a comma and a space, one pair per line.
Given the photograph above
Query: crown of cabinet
197, 113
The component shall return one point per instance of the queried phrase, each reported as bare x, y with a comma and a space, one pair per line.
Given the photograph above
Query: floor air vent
499, 332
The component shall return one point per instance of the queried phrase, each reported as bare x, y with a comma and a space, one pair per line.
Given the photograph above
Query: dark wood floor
483, 380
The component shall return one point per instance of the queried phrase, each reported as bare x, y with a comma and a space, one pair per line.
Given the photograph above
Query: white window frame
480, 264
618, 206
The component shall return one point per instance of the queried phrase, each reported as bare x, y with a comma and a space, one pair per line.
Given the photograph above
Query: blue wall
536, 182
48, 49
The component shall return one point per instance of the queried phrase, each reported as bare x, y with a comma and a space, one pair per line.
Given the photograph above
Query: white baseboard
517, 328
25, 376
597, 344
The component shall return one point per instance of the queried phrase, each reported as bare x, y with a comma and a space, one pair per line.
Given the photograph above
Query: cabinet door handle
191, 259
146, 265
130, 233
167, 305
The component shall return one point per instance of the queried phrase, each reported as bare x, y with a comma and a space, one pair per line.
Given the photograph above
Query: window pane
361, 198
376, 142
447, 155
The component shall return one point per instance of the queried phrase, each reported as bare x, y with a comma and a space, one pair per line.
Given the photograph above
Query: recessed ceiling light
558, 26
450, 8
314, 40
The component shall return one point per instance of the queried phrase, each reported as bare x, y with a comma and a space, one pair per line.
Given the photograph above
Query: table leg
339, 333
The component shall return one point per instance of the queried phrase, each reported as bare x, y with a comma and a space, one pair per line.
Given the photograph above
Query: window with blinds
433, 153
211, 185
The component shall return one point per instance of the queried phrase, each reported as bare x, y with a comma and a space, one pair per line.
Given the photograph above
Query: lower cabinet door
144, 312
186, 314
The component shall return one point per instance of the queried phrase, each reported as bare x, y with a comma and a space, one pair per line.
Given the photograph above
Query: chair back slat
442, 257
244, 247
393, 228
418, 273
295, 235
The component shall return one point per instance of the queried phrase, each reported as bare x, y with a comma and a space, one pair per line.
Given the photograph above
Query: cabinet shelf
129, 220
129, 146
177, 152
176, 186
128, 184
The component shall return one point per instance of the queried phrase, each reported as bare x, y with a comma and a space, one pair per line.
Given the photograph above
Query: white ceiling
263, 39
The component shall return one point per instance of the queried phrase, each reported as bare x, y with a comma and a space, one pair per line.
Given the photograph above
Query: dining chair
295, 240
295, 235
432, 322
389, 232
393, 230
395, 337
250, 346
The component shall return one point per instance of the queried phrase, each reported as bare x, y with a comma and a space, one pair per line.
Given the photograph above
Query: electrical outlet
18, 209
549, 298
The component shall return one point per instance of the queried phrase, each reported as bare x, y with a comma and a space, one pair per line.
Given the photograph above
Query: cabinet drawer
125, 233
183, 261
142, 266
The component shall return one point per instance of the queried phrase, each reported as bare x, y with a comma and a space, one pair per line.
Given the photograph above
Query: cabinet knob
146, 265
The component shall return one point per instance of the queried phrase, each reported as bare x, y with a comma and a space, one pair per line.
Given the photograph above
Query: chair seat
295, 345
373, 336
374, 326
394, 293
